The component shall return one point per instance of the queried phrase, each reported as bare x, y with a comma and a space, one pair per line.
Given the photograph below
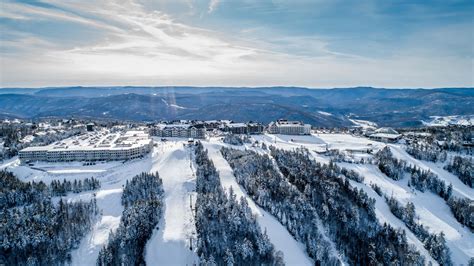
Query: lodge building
286, 127
92, 147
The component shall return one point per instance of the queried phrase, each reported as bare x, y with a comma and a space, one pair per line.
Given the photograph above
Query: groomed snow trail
431, 209
459, 188
170, 244
112, 176
294, 252
109, 203
383, 213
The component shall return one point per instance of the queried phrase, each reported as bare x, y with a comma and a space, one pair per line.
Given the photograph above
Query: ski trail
170, 244
459, 188
109, 203
324, 232
432, 211
294, 252
382, 210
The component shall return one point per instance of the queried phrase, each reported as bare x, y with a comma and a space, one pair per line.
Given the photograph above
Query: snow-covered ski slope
430, 208
293, 251
112, 176
171, 242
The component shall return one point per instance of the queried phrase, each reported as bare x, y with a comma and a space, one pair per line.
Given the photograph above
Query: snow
466, 120
459, 188
170, 244
346, 141
294, 252
383, 213
325, 113
5, 164
312, 142
75, 171
431, 209
173, 105
364, 123
112, 175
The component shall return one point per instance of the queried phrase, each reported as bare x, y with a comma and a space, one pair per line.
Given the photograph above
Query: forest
228, 233
425, 180
269, 189
324, 190
348, 213
142, 200
36, 231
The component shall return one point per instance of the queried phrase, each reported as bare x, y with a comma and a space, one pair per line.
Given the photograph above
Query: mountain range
319, 107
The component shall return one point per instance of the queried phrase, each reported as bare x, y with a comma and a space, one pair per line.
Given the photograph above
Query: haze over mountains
319, 107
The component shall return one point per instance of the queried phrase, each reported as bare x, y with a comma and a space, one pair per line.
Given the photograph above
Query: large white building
93, 146
286, 127
197, 131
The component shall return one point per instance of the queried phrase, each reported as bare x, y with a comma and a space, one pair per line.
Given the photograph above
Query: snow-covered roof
385, 136
237, 125
386, 130
101, 140
286, 123
163, 126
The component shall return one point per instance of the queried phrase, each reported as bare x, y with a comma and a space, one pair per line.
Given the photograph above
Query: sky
309, 43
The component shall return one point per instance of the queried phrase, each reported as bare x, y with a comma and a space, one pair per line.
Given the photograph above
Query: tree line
228, 233
434, 243
14, 192
347, 212
269, 189
36, 231
463, 168
142, 199
422, 180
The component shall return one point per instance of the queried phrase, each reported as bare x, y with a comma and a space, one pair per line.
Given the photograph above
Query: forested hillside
36, 231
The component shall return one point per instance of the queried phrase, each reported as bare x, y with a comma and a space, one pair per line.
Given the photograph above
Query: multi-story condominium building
286, 127
97, 146
243, 128
197, 131
255, 128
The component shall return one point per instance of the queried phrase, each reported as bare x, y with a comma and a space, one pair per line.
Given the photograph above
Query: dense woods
463, 168
270, 190
142, 199
59, 188
426, 152
14, 192
348, 213
33, 229
423, 180
389, 165
236, 139
228, 233
434, 243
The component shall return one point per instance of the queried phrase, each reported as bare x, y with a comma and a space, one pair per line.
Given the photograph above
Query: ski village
224, 193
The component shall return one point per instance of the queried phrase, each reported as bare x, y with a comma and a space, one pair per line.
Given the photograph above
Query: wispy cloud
137, 44
213, 5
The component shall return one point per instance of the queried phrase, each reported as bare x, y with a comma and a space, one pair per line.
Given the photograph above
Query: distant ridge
386, 107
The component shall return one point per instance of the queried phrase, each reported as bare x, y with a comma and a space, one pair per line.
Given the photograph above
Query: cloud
140, 45
30, 12
213, 5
